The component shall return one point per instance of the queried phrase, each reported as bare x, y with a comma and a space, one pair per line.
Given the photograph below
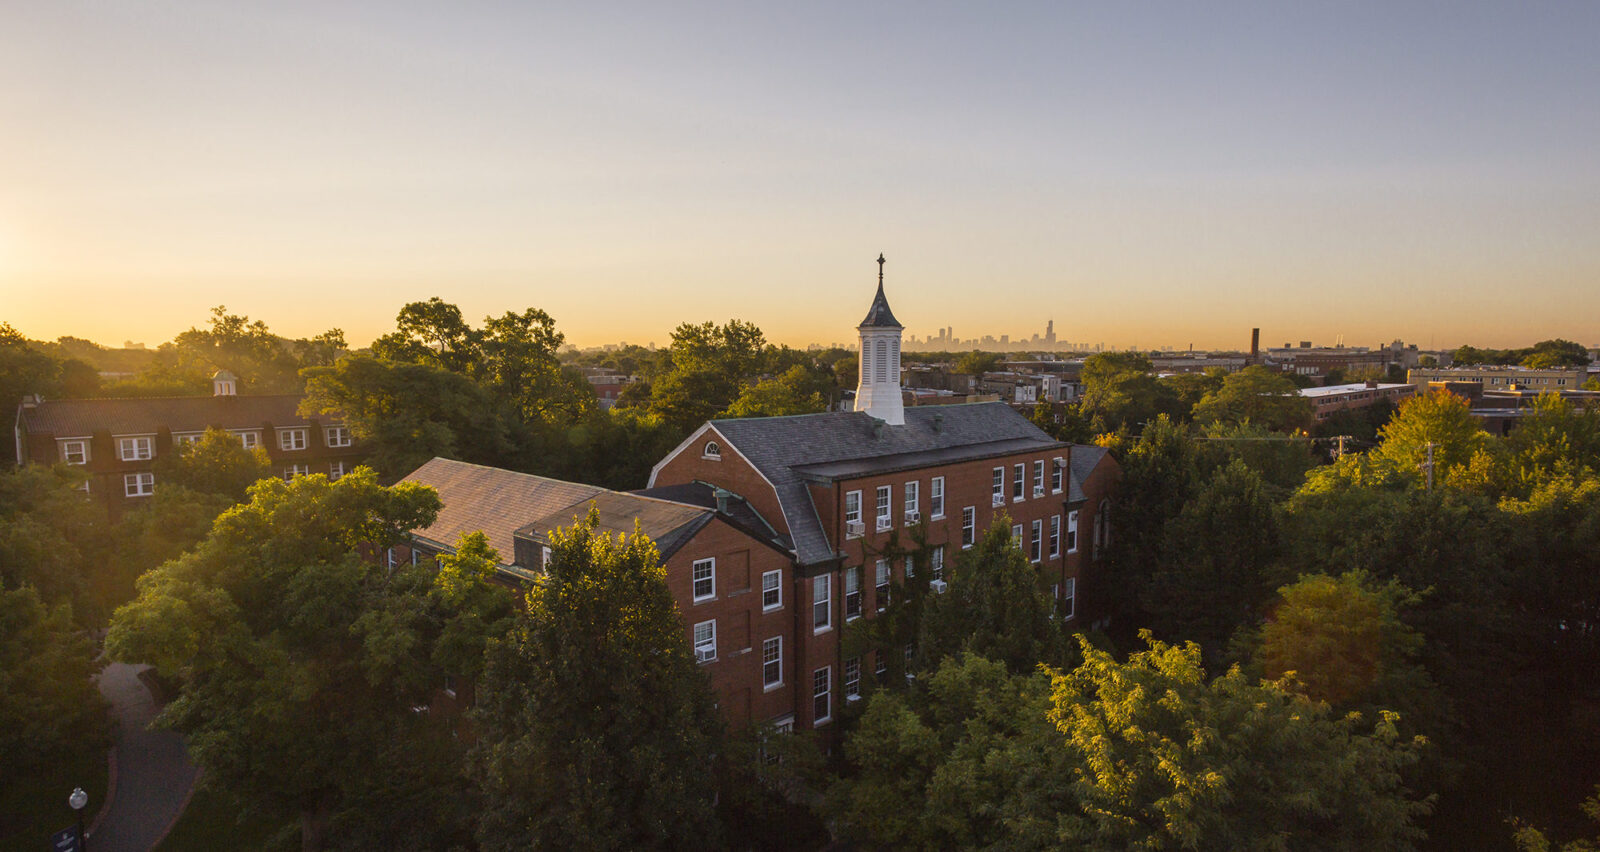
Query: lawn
34, 806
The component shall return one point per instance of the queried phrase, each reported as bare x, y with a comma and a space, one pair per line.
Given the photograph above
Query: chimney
1371, 384
938, 422
877, 429
1255, 343
722, 501
32, 400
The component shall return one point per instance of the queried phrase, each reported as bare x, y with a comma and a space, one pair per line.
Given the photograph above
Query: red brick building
726, 570
117, 441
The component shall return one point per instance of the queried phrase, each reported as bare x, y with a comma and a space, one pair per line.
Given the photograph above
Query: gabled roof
739, 513
505, 505
879, 315
75, 417
778, 447
1085, 458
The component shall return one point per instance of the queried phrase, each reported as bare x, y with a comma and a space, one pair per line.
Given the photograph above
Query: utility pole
1341, 440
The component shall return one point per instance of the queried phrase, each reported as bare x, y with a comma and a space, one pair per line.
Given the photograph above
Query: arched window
712, 451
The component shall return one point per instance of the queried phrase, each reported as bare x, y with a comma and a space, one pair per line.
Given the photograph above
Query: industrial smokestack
1255, 342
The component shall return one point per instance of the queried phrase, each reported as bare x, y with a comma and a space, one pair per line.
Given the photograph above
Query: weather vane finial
880, 269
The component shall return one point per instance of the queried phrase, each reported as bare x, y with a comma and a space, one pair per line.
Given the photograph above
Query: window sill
818, 631
771, 687
767, 609
706, 599
823, 721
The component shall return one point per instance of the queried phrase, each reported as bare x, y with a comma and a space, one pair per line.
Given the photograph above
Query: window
882, 668
291, 439
1036, 541
772, 663
936, 497
135, 449
1069, 598
250, 440
911, 567
913, 501
705, 641
1016, 536
821, 602
1072, 532
75, 452
336, 470
388, 556
1038, 478
295, 470
852, 678
852, 510
1016, 481
997, 487
191, 438
969, 526
852, 593
705, 579
711, 451
337, 436
936, 562
885, 520
821, 695
138, 485
883, 584
771, 590
1055, 536
1056, 469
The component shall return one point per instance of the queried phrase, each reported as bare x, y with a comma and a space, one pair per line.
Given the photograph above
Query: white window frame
1016, 538
82, 445
936, 562
1068, 605
880, 588
969, 526
1055, 536
852, 514
180, 439
136, 448
822, 690
771, 661
1072, 531
249, 439
294, 470
852, 679
1019, 482
293, 439
913, 491
885, 507
1036, 541
337, 436
821, 603
138, 484
710, 579
705, 641
852, 596
936, 498
336, 470
1057, 474
1038, 477
910, 567
772, 590
711, 451
997, 487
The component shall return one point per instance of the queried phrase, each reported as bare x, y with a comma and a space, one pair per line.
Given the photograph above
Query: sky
1145, 174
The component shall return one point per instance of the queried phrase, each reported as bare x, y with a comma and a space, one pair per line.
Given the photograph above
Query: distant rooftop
1335, 390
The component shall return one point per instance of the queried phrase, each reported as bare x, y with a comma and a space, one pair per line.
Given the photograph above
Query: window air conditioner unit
854, 528
885, 522
1060, 463
913, 516
1038, 491
939, 587
856, 697
999, 500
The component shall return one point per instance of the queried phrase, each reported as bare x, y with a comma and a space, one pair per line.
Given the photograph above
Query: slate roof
506, 505
879, 315
1085, 458
740, 514
75, 417
779, 446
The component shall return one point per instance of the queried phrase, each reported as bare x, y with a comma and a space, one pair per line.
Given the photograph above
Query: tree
993, 607
1530, 839
1439, 419
517, 362
431, 332
300, 662
978, 362
1338, 636
1119, 391
1549, 354
1257, 395
794, 392
1165, 759
49, 707
597, 728
54, 540
710, 366
216, 464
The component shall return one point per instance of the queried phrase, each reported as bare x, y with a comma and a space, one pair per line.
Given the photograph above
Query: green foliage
978, 362
1169, 760
1257, 395
1341, 637
710, 366
597, 728
1190, 388
794, 392
215, 464
49, 708
1441, 419
54, 539
1530, 839
24, 369
300, 662
1542, 355
1119, 392
994, 608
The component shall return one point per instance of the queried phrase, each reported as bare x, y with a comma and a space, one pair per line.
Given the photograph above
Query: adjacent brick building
117, 441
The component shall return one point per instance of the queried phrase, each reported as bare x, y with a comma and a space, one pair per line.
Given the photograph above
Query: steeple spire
879, 315
878, 392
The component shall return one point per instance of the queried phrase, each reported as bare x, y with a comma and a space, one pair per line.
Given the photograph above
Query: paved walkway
154, 775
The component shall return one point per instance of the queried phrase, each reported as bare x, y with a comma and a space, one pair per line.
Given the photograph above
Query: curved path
154, 775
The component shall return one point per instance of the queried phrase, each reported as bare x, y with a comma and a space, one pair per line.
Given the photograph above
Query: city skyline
1161, 176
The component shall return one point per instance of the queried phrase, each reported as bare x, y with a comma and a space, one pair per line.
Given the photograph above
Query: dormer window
712, 451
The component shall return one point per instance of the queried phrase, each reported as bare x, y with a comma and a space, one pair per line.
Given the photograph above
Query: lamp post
77, 800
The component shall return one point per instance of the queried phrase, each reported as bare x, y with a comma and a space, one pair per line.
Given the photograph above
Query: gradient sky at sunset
1145, 173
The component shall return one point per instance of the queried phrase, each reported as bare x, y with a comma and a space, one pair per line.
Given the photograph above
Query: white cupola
224, 383
878, 393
